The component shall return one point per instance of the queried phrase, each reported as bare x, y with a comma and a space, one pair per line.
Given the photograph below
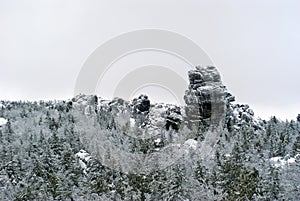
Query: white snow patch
227, 155
132, 122
176, 116
236, 113
82, 164
157, 141
279, 161
236, 127
83, 157
291, 160
2, 121
191, 143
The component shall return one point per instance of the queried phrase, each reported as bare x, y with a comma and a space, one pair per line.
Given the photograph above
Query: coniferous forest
48, 153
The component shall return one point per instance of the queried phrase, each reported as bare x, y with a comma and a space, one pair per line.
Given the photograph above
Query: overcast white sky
254, 44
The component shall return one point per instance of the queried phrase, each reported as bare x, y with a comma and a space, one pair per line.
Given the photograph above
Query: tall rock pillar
205, 98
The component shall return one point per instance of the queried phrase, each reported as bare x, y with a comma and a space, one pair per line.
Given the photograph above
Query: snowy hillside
88, 148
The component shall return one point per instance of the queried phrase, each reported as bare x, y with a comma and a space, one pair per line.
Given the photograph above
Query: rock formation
206, 98
140, 108
174, 118
208, 105
141, 104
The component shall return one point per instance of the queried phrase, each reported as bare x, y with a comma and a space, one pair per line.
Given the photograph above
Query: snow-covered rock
2, 121
208, 103
83, 159
241, 114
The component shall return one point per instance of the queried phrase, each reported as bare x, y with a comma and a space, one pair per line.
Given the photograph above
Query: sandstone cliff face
209, 104
206, 98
